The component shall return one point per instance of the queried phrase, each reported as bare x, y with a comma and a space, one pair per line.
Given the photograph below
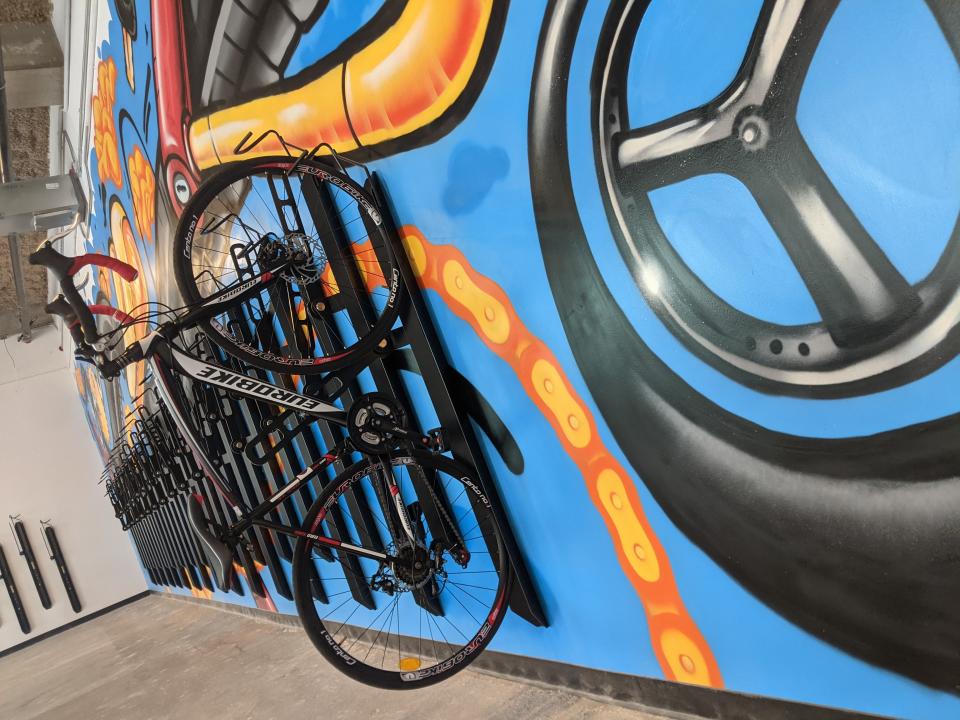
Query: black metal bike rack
420, 334
259, 447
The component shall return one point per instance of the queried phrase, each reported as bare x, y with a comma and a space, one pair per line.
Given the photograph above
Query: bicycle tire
307, 363
458, 655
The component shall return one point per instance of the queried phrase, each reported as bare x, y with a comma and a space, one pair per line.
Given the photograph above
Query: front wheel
430, 608
339, 296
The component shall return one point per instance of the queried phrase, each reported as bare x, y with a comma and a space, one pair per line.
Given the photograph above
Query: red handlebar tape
111, 311
127, 272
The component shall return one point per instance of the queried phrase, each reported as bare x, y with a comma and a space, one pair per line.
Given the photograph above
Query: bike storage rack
259, 447
55, 553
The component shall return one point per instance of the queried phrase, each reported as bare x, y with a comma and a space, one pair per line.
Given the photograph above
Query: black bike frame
163, 358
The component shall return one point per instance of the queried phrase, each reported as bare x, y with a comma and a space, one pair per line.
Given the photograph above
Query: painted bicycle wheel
851, 538
876, 329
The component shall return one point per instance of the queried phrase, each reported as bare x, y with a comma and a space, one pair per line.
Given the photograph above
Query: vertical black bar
155, 554
56, 554
178, 543
267, 338
217, 502
178, 510
26, 550
425, 344
238, 468
151, 526
14, 594
243, 415
358, 307
146, 557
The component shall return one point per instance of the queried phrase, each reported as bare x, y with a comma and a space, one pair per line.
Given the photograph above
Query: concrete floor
163, 658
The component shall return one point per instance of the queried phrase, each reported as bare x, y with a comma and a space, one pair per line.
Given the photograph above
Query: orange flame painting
104, 126
143, 187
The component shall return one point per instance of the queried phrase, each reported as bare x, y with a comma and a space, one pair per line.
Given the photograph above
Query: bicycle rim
336, 302
413, 624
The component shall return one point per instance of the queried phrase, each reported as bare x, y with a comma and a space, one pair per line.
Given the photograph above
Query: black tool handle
57, 557
26, 549
8, 580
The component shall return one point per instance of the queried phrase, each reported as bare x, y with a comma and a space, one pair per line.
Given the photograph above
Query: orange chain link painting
680, 647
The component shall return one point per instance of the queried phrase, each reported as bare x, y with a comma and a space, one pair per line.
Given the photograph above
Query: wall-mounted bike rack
55, 553
13, 593
260, 447
25, 548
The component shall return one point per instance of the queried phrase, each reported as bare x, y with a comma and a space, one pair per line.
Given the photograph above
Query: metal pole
26, 331
83, 138
6, 172
6, 175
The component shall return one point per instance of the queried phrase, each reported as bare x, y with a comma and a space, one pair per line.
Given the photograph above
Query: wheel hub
308, 258
754, 133
413, 566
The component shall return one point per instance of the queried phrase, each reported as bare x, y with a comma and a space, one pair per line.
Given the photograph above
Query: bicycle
425, 575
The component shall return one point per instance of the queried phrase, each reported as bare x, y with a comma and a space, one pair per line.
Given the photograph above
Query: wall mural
695, 264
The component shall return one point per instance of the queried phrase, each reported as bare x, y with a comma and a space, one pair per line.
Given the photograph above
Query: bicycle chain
441, 507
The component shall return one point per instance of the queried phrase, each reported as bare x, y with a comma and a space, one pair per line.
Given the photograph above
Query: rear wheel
428, 611
339, 297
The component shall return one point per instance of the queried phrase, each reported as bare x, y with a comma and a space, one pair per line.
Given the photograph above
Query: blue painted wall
879, 109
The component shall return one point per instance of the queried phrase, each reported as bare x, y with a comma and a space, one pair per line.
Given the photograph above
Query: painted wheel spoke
790, 34
784, 42
749, 132
769, 82
677, 149
859, 292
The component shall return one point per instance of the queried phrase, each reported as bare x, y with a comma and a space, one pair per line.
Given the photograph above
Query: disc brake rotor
309, 259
